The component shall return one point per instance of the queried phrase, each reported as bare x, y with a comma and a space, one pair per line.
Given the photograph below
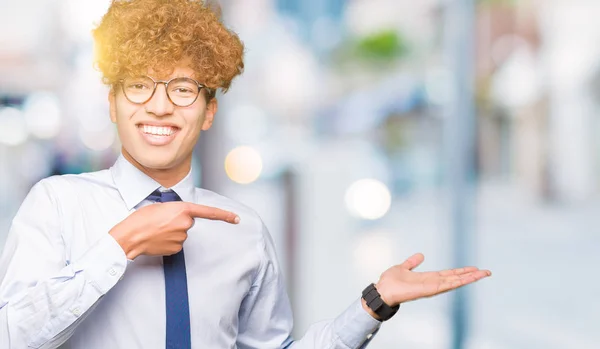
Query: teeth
157, 130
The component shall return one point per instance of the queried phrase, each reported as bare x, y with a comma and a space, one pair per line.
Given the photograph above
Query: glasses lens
138, 89
183, 91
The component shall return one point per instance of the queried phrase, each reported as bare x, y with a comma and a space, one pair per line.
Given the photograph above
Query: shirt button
112, 272
76, 311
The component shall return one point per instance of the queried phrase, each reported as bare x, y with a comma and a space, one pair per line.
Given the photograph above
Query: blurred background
363, 131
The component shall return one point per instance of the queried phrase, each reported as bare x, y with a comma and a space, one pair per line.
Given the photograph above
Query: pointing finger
212, 213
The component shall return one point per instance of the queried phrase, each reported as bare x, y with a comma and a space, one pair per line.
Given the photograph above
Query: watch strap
379, 307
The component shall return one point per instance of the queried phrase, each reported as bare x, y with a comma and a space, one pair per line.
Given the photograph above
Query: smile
157, 135
157, 130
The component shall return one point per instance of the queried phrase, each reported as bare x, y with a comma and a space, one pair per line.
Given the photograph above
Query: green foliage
384, 45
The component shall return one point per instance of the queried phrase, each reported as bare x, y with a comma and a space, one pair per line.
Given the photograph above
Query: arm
265, 318
43, 296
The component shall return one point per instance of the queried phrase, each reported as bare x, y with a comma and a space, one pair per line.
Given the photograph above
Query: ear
209, 116
112, 105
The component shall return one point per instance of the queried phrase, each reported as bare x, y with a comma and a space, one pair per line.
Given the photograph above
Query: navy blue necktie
176, 293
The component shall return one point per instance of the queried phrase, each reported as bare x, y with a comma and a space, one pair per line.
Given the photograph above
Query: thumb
413, 261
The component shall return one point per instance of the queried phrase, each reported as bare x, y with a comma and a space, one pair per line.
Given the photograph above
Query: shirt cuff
104, 264
354, 326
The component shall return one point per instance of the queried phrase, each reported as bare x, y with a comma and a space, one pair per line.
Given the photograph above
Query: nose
160, 104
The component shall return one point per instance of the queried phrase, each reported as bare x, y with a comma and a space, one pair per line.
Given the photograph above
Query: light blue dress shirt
65, 281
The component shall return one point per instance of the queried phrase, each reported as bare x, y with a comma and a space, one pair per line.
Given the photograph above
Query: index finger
212, 213
458, 271
456, 281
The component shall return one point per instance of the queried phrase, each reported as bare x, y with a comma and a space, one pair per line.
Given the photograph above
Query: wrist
125, 239
373, 301
384, 294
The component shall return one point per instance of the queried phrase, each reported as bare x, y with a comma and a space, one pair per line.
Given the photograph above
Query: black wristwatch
374, 301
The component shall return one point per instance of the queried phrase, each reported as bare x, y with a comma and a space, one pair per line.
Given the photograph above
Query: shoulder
60, 189
73, 183
102, 177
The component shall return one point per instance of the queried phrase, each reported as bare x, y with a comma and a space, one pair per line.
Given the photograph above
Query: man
135, 256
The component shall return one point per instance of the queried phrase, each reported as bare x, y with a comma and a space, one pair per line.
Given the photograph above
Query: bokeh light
13, 129
243, 164
43, 115
368, 199
97, 140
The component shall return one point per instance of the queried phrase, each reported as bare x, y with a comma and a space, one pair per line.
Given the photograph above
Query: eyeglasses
182, 92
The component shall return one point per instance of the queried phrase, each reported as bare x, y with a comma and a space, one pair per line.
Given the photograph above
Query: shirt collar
134, 185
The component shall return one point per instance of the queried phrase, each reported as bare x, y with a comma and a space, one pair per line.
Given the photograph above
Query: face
158, 135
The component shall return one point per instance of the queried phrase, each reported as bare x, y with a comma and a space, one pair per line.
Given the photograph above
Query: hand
161, 229
399, 284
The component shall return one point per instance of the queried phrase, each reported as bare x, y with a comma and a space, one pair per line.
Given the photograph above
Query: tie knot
163, 196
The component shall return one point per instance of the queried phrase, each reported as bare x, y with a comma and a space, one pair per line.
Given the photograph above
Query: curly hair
137, 35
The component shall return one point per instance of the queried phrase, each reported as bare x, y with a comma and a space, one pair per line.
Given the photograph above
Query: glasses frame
166, 83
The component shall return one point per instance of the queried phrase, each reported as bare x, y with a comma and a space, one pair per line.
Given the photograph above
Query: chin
151, 159
158, 163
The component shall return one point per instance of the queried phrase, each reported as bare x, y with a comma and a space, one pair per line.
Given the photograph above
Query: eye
138, 86
183, 90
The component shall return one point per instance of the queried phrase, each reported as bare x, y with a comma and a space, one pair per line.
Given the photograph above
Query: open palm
400, 284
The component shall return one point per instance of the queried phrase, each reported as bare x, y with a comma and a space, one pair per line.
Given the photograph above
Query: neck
167, 177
